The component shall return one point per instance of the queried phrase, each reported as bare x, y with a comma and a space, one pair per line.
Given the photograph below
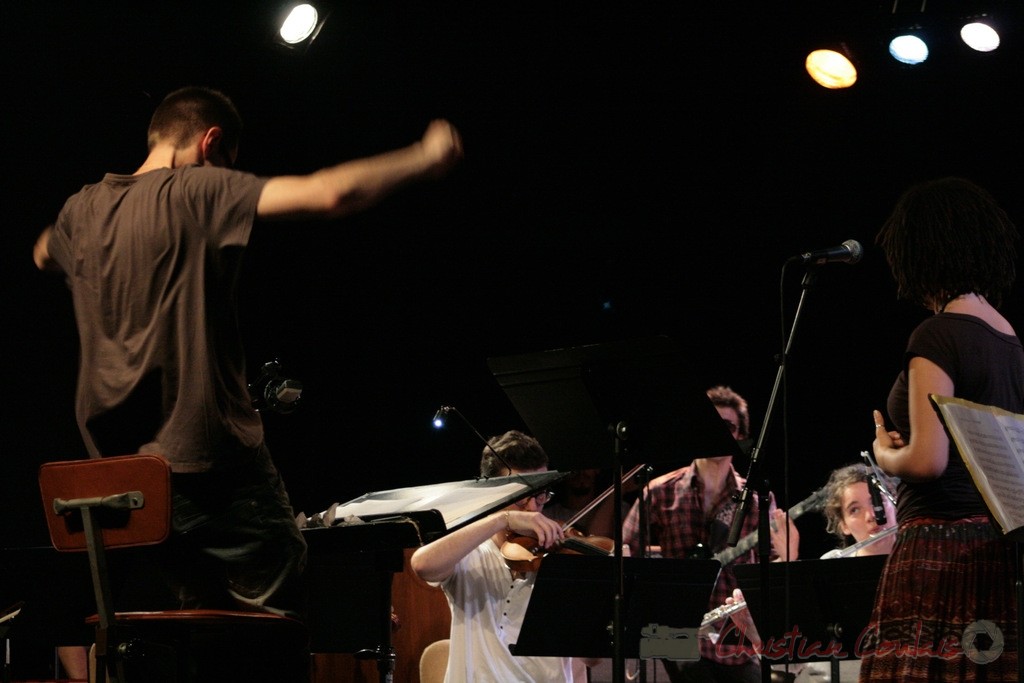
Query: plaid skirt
945, 609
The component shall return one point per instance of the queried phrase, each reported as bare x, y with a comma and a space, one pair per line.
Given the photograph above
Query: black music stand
614, 404
665, 602
828, 622
570, 398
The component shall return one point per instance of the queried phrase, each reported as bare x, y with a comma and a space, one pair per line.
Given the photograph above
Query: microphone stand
1019, 588
743, 497
643, 478
621, 433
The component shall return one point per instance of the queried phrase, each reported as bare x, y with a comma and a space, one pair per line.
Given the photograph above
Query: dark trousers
236, 544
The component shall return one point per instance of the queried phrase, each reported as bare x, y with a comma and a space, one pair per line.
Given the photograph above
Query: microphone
875, 487
849, 251
274, 392
440, 419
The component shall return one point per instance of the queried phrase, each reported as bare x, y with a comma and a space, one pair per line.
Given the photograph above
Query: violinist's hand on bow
547, 531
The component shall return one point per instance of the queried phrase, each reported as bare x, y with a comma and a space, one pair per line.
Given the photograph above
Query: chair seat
434, 661
206, 615
211, 646
101, 504
223, 630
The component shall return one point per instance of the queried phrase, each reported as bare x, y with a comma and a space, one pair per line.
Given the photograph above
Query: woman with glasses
488, 600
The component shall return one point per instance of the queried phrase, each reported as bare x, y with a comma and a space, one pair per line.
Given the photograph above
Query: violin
523, 554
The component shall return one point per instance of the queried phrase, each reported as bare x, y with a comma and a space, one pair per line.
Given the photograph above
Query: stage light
441, 417
908, 48
299, 25
914, 33
831, 68
980, 36
908, 44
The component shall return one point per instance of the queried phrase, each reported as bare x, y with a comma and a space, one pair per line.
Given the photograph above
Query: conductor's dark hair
191, 110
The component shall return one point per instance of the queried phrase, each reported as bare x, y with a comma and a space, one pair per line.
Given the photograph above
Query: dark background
632, 169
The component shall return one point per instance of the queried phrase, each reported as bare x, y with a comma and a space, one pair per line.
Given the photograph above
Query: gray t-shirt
153, 263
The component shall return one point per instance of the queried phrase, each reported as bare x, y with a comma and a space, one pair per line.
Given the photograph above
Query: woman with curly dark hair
945, 608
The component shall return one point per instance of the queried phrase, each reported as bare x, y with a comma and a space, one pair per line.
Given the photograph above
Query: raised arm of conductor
332, 192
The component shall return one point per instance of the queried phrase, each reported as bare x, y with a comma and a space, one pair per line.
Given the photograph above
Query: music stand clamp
6, 622
665, 642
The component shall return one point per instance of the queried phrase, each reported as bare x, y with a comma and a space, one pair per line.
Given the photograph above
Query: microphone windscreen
856, 250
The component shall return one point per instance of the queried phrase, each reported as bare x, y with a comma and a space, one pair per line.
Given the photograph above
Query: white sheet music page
991, 442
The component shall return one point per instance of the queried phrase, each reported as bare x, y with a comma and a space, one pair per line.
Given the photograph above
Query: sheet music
991, 441
452, 503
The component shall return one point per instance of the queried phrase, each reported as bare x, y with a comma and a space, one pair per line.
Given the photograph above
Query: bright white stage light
908, 48
300, 24
979, 36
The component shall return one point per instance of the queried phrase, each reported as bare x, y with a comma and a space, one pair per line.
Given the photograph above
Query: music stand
570, 397
457, 502
828, 622
614, 404
664, 605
